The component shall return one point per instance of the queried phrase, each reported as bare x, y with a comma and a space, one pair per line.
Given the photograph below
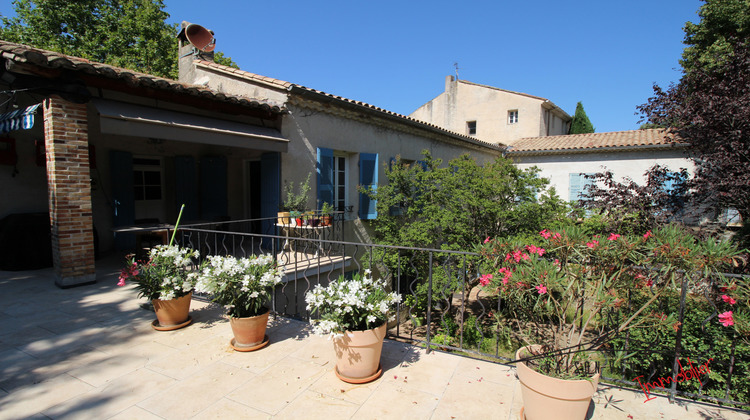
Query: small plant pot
172, 314
283, 217
299, 222
249, 332
545, 397
358, 355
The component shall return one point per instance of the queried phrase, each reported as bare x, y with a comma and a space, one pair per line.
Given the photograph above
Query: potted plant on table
243, 286
354, 313
569, 294
295, 202
326, 212
164, 279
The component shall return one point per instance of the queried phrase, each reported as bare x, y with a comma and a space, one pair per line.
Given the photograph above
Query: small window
513, 116
147, 179
471, 127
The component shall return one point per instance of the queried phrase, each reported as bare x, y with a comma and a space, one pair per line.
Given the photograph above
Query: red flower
726, 319
487, 240
545, 234
647, 235
614, 236
541, 289
728, 299
592, 244
485, 279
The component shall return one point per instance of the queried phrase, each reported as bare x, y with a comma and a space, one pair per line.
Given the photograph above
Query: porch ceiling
139, 121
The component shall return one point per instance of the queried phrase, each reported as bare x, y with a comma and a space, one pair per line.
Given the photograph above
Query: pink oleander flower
545, 234
485, 279
533, 249
121, 282
728, 299
647, 235
541, 289
592, 244
614, 236
726, 319
557, 236
556, 262
487, 240
507, 274
649, 283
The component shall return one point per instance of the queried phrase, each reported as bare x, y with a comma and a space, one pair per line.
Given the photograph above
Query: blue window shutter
213, 184
186, 186
121, 167
576, 186
325, 177
270, 192
368, 178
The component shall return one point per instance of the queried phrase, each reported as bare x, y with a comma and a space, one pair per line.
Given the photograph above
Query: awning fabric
140, 121
19, 119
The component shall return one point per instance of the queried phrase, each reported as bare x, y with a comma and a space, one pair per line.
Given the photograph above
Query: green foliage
708, 41
297, 201
224, 60
650, 351
426, 205
580, 123
132, 34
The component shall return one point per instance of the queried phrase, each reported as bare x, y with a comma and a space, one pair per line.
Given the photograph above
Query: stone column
69, 192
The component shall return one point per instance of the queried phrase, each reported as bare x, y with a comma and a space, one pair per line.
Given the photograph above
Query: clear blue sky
396, 54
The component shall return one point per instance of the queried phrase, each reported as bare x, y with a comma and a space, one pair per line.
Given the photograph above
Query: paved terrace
90, 352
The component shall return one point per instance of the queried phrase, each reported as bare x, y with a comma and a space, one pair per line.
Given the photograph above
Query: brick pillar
69, 192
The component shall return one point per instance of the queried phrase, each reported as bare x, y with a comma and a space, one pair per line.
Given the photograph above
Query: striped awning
20, 119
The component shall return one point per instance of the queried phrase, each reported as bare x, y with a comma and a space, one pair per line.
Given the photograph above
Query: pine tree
581, 123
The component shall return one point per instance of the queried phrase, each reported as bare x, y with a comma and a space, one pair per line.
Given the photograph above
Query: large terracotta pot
172, 314
545, 397
250, 332
358, 355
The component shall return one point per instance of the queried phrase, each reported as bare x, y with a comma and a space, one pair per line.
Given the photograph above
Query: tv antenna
456, 66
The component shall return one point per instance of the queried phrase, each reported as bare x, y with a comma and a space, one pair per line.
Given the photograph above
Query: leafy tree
132, 34
454, 207
581, 123
631, 208
722, 21
710, 110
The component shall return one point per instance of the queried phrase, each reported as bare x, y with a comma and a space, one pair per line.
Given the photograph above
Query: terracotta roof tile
53, 60
581, 143
294, 87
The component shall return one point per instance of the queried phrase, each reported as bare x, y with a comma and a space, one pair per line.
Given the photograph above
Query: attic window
471, 128
512, 116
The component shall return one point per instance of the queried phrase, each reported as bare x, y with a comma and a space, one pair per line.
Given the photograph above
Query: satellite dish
201, 38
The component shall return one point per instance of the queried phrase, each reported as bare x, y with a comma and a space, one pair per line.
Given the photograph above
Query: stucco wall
462, 102
633, 164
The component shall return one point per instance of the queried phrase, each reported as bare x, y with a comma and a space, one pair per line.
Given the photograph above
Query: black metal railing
443, 308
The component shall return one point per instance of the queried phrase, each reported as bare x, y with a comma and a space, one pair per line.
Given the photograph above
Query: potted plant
567, 295
327, 214
243, 286
294, 201
165, 281
355, 314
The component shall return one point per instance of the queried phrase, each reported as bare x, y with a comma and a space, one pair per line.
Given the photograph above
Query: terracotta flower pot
358, 355
545, 397
172, 314
250, 332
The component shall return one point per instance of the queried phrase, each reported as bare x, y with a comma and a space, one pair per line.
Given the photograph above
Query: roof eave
512, 153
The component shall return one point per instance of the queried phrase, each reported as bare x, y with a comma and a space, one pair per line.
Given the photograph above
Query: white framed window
512, 116
340, 180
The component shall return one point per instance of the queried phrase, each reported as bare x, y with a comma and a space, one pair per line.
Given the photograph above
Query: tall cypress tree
581, 123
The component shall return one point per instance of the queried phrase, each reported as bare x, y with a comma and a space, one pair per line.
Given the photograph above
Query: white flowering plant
358, 304
164, 276
242, 285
